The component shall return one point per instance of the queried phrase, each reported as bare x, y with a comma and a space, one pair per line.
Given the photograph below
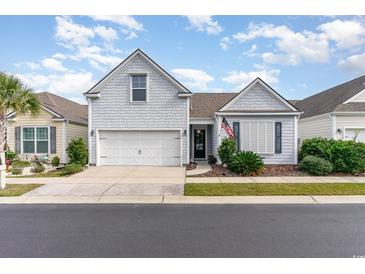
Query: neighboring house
49, 132
141, 115
338, 112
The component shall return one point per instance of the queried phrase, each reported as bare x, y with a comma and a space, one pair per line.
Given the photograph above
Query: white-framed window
257, 136
35, 140
139, 92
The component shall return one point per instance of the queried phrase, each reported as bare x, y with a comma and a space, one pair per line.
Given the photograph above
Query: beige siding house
337, 113
48, 133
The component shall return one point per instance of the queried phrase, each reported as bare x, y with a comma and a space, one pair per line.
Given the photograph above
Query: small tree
14, 96
77, 151
226, 150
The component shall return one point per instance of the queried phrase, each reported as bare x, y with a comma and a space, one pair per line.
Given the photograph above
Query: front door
199, 143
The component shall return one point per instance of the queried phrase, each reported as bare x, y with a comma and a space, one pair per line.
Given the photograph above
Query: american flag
227, 128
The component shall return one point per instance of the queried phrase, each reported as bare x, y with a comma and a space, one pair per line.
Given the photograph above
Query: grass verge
17, 189
53, 173
226, 189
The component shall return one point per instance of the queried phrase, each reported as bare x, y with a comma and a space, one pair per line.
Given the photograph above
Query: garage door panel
140, 147
358, 134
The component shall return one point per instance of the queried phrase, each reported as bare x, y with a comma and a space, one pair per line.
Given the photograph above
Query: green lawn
244, 189
17, 190
53, 173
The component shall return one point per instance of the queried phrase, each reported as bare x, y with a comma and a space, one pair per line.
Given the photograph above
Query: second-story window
139, 88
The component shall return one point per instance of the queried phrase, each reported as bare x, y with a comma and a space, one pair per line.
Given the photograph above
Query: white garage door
351, 133
145, 147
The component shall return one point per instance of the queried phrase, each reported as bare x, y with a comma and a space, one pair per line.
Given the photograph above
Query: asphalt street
116, 230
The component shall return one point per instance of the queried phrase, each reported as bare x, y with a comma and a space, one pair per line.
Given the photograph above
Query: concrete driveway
113, 181
131, 175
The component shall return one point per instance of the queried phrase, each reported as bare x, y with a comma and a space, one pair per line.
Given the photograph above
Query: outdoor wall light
92, 132
339, 131
185, 133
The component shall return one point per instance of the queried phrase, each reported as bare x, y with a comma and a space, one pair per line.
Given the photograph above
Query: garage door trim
134, 129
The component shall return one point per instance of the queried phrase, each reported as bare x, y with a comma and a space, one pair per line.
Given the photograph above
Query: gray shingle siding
114, 110
258, 98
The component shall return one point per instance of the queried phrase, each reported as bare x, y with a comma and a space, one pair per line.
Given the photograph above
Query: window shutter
278, 137
17, 140
53, 140
236, 132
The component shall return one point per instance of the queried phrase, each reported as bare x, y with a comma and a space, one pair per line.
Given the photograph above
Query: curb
314, 200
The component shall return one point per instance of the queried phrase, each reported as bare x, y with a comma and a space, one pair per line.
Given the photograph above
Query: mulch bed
269, 170
191, 166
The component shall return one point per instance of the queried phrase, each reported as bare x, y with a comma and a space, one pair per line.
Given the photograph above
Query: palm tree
14, 96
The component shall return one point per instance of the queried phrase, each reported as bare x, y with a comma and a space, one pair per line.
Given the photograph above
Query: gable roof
204, 105
333, 99
291, 108
95, 88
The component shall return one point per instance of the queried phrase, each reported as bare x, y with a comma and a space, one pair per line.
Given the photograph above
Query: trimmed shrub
77, 151
226, 150
246, 163
55, 161
315, 165
38, 168
16, 170
319, 147
348, 157
71, 169
212, 160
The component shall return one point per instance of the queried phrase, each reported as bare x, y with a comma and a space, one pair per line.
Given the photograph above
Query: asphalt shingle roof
68, 109
332, 99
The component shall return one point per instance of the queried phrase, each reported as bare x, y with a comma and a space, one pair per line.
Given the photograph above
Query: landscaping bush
77, 151
319, 147
16, 170
246, 163
212, 160
55, 161
71, 169
348, 157
226, 150
20, 164
38, 168
315, 165
10, 155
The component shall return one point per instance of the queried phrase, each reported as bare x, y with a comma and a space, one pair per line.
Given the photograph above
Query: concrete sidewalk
160, 199
278, 179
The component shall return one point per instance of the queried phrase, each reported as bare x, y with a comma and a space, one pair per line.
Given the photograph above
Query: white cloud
346, 34
284, 59
71, 34
69, 85
193, 78
53, 64
301, 46
108, 34
225, 42
33, 65
354, 63
204, 23
59, 56
130, 26
242, 78
251, 51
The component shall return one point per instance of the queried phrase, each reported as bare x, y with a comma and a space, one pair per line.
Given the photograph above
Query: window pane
42, 133
28, 146
139, 81
278, 138
28, 133
139, 95
42, 146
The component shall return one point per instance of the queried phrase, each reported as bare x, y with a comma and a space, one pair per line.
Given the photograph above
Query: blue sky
297, 55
